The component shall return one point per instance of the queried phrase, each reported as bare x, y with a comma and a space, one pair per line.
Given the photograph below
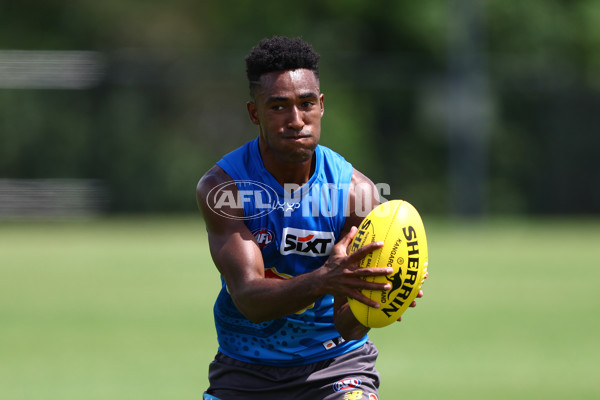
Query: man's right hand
343, 276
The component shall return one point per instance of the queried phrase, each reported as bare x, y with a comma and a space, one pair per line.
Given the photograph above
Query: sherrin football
398, 224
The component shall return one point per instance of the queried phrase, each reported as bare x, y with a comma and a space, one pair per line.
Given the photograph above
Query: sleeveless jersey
296, 233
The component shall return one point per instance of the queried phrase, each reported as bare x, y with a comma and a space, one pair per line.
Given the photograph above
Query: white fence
51, 198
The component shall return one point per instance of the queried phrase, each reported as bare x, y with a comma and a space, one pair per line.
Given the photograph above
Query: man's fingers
357, 295
379, 271
414, 303
362, 284
347, 239
363, 251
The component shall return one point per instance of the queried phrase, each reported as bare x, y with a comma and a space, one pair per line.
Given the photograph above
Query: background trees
463, 108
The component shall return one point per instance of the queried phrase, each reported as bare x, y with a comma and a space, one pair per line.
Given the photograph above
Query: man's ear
321, 98
252, 112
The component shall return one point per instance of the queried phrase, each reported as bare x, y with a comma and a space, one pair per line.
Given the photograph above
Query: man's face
288, 107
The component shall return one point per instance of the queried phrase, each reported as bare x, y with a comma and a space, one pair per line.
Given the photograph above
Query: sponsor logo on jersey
346, 384
373, 396
263, 237
329, 344
306, 243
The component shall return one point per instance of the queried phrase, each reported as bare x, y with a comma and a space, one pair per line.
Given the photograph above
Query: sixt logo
346, 384
263, 237
306, 243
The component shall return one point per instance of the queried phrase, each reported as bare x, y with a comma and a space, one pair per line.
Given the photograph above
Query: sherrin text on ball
398, 224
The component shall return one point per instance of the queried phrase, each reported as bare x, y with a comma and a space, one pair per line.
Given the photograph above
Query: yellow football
398, 224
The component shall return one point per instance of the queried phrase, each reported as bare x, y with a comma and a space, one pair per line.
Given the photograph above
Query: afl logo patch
346, 384
263, 237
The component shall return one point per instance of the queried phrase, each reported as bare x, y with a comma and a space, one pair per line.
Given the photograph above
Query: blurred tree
171, 98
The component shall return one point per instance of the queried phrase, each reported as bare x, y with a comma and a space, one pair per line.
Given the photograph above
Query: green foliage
44, 134
172, 98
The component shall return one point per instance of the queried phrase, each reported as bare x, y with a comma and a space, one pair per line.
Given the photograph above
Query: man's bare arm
239, 260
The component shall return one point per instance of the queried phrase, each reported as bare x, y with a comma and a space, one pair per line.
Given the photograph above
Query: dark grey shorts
349, 376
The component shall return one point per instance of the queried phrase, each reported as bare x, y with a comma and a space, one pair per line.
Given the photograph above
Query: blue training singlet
296, 234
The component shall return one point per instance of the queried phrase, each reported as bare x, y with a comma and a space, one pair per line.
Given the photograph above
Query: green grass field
121, 309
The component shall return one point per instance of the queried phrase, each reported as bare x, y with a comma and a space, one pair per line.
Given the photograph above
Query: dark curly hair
280, 54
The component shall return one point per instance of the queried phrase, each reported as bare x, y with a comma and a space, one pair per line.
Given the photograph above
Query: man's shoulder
240, 162
335, 167
329, 152
214, 187
241, 151
215, 176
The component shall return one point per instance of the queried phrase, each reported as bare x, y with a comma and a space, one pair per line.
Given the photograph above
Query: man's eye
277, 107
308, 104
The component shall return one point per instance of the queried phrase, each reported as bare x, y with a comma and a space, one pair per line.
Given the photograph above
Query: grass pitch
122, 309
510, 312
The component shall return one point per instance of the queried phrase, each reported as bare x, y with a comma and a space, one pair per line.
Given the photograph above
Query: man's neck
290, 173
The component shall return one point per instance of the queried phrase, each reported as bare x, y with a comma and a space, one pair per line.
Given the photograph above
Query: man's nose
296, 122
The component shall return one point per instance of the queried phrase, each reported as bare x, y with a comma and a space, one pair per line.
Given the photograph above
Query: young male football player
281, 212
